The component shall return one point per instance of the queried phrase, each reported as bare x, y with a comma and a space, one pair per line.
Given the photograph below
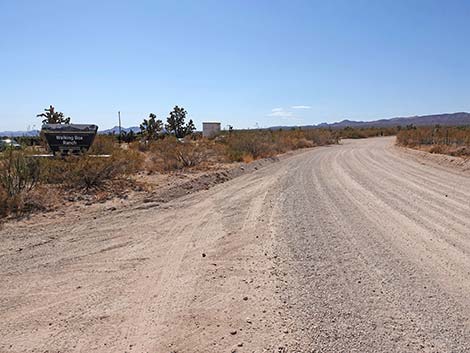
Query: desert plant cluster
25, 179
29, 183
159, 147
250, 145
454, 141
366, 132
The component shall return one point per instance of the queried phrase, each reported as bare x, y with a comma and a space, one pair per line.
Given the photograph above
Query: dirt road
352, 248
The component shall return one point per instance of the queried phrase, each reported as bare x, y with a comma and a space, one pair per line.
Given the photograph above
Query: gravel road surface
379, 245
358, 247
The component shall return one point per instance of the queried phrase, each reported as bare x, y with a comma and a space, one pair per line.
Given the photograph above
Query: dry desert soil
359, 247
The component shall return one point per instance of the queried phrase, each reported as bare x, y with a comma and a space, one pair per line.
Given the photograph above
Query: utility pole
119, 116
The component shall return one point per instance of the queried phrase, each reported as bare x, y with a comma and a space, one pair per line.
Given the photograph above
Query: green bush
19, 174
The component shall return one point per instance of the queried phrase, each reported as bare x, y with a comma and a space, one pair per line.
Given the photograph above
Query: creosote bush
172, 154
453, 141
19, 174
24, 180
254, 144
104, 144
22, 175
366, 132
90, 171
4, 202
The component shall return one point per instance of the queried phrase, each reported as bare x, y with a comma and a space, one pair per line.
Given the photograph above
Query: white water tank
210, 129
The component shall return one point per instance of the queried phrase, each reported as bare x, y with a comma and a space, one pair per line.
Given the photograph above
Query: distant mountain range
452, 119
19, 133
115, 130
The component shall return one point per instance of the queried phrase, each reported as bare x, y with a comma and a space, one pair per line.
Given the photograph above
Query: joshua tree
189, 128
176, 123
52, 117
151, 127
128, 136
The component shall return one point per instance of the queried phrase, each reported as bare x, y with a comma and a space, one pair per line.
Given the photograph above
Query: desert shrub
9, 204
366, 132
163, 156
250, 144
437, 149
19, 174
445, 140
302, 143
141, 145
23, 178
172, 154
4, 199
103, 144
321, 137
28, 141
129, 161
89, 171
25, 182
459, 151
36, 199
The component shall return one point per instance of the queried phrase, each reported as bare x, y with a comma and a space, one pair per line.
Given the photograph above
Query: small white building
210, 129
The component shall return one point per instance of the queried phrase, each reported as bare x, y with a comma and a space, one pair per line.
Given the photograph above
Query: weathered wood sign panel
69, 138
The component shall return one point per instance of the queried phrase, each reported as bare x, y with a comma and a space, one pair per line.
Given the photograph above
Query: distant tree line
153, 128
150, 129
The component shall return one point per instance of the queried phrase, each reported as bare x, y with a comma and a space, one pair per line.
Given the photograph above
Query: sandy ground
360, 247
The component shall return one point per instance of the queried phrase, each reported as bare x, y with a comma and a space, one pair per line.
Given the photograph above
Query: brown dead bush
453, 141
5, 199
89, 171
170, 154
243, 145
440, 149
251, 145
103, 145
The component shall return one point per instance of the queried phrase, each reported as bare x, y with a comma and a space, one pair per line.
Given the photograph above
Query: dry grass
252, 145
170, 154
28, 184
19, 174
366, 132
25, 181
454, 141
88, 172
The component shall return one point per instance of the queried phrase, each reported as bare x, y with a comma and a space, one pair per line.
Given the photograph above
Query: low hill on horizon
30, 133
446, 119
115, 130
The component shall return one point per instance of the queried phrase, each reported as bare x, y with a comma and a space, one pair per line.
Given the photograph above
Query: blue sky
244, 63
